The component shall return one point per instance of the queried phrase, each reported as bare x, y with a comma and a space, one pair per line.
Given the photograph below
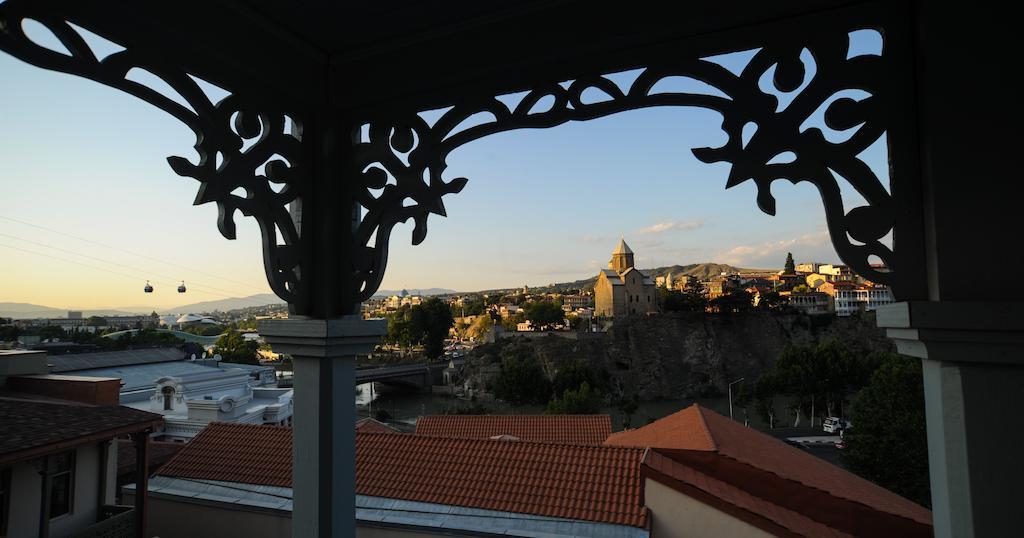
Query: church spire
623, 248
622, 257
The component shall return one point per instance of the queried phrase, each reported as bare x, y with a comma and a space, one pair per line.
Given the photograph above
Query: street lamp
730, 395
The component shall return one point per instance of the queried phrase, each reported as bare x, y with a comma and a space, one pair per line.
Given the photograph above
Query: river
405, 406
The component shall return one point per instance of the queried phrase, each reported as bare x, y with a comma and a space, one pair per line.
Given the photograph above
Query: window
5, 498
168, 393
62, 483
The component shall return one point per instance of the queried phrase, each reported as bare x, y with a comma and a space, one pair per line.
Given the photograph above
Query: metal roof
142, 376
107, 359
372, 510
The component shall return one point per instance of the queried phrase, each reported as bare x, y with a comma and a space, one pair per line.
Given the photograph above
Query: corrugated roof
444, 519
142, 376
589, 483
108, 359
697, 435
566, 429
29, 427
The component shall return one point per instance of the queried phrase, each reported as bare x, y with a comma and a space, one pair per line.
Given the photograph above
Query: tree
544, 314
737, 301
437, 320
522, 380
9, 333
232, 347
424, 324
887, 443
790, 265
49, 332
582, 401
627, 405
574, 374
690, 300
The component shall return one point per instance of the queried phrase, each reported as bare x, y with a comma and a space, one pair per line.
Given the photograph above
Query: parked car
835, 425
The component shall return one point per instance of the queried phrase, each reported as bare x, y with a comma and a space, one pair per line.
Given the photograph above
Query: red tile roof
591, 483
703, 450
370, 425
564, 429
160, 452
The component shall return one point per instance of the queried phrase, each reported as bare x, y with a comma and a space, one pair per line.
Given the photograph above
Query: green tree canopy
233, 348
737, 301
522, 381
582, 401
888, 442
95, 321
691, 300
425, 324
544, 314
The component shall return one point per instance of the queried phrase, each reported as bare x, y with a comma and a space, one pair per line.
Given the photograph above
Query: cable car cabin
181, 288
148, 288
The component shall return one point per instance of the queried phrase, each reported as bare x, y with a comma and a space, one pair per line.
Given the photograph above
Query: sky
90, 210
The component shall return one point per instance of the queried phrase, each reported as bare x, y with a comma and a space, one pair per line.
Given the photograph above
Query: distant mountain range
223, 305
416, 291
28, 310
701, 271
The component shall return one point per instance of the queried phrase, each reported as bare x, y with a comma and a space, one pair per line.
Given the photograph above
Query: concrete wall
678, 516
26, 488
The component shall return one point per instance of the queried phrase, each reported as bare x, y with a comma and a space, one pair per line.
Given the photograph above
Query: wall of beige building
674, 515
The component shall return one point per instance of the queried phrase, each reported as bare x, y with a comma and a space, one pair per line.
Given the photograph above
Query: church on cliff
622, 289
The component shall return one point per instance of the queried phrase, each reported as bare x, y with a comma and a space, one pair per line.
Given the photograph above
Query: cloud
815, 246
595, 239
670, 225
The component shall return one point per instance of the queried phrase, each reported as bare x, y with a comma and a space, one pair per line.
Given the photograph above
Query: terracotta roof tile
712, 444
370, 425
28, 426
160, 452
591, 483
564, 429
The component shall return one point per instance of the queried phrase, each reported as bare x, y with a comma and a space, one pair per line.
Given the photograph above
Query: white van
835, 425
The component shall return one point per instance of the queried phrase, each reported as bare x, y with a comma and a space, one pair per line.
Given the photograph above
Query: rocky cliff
692, 354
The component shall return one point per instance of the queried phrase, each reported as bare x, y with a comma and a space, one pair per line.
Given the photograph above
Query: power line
126, 251
134, 278
200, 286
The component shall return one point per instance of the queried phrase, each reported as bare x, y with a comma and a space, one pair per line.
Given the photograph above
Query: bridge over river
420, 375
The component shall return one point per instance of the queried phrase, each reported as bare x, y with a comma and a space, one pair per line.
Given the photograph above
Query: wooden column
323, 431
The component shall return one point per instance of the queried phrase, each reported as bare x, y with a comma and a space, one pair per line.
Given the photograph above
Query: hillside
684, 355
426, 292
29, 310
223, 305
701, 271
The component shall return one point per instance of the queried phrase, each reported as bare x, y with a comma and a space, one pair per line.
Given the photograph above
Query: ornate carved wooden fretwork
254, 158
405, 158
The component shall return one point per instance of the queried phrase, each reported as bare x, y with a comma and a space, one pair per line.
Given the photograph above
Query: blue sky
83, 160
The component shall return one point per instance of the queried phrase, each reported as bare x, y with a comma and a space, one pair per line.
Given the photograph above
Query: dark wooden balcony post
323, 430
141, 442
